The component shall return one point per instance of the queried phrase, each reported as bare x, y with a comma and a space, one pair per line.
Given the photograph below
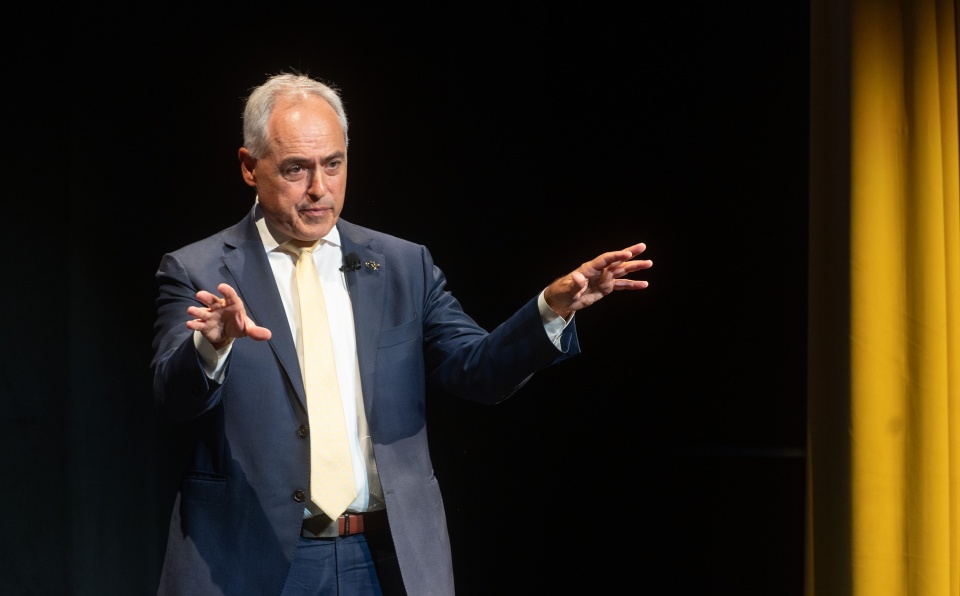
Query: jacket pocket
204, 490
400, 334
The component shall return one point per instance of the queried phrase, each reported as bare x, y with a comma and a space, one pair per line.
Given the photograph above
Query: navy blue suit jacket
235, 520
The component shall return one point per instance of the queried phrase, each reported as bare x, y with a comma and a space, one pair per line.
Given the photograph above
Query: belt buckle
350, 523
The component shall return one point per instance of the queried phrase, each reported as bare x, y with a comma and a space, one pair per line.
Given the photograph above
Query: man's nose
318, 186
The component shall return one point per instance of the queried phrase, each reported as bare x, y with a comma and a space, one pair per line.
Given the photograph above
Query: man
248, 519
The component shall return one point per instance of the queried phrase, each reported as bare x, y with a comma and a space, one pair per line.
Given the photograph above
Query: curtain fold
883, 514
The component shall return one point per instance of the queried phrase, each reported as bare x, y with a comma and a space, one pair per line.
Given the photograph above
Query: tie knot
299, 247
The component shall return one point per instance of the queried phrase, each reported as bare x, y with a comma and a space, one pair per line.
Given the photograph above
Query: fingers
230, 296
209, 300
631, 266
214, 302
225, 317
630, 284
256, 332
626, 254
596, 278
209, 318
616, 257
626, 266
228, 293
212, 306
196, 324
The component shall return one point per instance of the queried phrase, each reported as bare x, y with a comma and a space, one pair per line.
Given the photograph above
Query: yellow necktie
332, 485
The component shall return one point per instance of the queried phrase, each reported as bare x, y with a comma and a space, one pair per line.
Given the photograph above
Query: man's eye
332, 166
293, 172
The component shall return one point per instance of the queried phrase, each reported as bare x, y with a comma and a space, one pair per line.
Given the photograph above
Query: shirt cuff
214, 360
553, 323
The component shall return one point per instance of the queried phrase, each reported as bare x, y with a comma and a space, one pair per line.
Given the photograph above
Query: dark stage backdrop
515, 145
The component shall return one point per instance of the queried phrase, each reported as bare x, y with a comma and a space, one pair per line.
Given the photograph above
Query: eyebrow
333, 156
300, 159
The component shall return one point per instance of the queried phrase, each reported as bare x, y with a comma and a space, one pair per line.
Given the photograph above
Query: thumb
256, 332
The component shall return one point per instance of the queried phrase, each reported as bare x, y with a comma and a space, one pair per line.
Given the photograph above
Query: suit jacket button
299, 496
303, 431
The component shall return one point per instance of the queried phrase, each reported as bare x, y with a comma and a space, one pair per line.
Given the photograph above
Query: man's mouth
316, 211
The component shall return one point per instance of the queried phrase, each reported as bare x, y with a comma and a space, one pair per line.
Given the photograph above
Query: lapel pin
372, 265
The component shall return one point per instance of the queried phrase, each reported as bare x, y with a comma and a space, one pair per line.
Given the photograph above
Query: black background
515, 143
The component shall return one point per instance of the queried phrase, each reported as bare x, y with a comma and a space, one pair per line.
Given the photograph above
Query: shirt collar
272, 238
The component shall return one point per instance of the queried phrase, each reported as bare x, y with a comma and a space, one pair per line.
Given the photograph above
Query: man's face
302, 180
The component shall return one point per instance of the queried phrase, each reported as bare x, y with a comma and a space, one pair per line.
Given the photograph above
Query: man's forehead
304, 125
294, 105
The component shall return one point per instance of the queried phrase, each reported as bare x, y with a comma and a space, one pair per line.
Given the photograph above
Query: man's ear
248, 166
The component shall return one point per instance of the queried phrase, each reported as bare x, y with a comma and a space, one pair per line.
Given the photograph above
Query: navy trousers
356, 565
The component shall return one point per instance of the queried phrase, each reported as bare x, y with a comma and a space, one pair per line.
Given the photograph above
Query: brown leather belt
321, 526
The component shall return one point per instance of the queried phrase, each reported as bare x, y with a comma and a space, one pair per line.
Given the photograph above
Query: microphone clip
351, 262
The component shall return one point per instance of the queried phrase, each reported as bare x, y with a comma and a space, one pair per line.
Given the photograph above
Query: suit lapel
368, 297
246, 260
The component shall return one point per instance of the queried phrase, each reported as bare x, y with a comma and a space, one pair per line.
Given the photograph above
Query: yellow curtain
883, 490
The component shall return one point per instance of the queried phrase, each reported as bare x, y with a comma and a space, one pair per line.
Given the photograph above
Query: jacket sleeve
466, 360
181, 388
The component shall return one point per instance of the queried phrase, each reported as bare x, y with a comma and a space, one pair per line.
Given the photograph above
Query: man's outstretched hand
595, 279
223, 319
